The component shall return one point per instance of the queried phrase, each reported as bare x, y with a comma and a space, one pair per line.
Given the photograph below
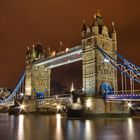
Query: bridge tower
37, 82
98, 75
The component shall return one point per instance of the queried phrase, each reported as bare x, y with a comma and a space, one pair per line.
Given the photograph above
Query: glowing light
106, 60
78, 100
21, 106
58, 107
88, 103
28, 91
67, 49
21, 94
53, 53
72, 87
129, 105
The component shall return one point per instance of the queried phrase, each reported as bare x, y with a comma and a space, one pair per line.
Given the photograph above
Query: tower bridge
100, 70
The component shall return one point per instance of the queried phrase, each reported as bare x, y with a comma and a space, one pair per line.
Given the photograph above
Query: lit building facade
99, 76
37, 82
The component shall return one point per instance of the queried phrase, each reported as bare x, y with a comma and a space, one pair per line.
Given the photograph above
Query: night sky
24, 22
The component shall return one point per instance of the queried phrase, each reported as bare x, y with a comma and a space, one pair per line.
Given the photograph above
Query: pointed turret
84, 25
99, 19
28, 53
113, 27
95, 21
98, 14
39, 50
33, 53
83, 32
98, 23
113, 34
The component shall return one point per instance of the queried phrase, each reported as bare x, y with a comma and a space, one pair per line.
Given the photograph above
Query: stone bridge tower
37, 83
98, 74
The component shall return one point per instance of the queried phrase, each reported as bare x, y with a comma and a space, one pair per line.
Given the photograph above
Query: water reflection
41, 127
130, 129
21, 128
89, 130
59, 135
75, 129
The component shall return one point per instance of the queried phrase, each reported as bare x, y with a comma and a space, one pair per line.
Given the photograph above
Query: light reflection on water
130, 129
59, 135
21, 127
89, 130
41, 127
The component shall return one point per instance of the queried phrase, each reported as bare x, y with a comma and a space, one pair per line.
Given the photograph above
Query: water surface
42, 127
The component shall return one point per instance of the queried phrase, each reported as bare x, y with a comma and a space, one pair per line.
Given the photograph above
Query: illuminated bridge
126, 68
106, 76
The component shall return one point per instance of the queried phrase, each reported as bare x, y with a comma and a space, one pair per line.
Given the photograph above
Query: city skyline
23, 24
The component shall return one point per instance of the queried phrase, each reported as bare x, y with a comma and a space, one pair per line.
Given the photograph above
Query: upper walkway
61, 58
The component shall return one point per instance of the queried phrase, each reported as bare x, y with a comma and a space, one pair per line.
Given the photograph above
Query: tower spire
98, 20
84, 29
98, 14
84, 25
72, 87
113, 27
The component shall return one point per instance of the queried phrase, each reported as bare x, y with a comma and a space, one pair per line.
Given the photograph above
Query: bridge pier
30, 105
94, 105
101, 106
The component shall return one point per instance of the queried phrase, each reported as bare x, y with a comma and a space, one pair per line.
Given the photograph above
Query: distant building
4, 92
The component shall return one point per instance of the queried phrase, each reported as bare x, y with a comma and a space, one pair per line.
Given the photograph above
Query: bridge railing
55, 100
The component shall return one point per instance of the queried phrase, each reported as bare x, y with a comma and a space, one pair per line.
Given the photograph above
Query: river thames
56, 127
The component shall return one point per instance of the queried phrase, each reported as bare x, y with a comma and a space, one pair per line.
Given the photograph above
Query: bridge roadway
61, 58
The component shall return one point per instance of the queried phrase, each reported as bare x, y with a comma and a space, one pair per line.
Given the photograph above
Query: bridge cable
114, 80
125, 83
125, 80
116, 64
122, 80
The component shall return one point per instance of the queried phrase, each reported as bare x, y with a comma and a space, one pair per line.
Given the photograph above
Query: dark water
31, 127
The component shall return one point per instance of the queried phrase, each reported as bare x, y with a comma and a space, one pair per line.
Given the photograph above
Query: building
37, 83
99, 76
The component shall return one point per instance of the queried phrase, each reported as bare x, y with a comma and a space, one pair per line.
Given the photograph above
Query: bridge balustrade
62, 100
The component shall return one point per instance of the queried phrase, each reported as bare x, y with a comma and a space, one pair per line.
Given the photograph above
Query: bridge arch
106, 89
